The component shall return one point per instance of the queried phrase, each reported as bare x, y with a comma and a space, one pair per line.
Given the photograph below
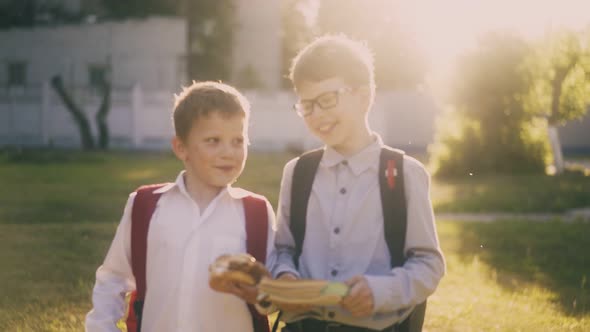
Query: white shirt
344, 236
182, 242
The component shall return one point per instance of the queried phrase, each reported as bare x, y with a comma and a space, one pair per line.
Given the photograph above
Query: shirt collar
235, 193
363, 160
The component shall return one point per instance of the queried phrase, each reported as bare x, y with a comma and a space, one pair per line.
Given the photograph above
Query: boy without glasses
191, 222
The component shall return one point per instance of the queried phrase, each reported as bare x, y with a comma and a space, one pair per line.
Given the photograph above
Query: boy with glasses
338, 228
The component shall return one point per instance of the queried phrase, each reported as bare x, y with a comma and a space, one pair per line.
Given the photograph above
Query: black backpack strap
393, 201
415, 321
302, 181
395, 219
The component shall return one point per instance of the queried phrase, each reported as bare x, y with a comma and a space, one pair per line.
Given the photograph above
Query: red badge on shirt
391, 173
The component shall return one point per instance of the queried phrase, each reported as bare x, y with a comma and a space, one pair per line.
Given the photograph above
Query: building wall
575, 135
141, 119
146, 61
258, 41
148, 52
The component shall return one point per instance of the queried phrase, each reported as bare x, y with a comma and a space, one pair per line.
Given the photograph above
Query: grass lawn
512, 283
516, 194
58, 213
74, 187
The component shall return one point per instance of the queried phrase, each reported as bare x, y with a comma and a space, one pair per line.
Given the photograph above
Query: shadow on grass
511, 193
553, 255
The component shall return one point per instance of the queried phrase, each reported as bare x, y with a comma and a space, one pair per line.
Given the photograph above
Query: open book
244, 268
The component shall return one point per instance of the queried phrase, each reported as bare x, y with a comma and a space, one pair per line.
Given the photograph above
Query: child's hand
245, 292
359, 301
294, 308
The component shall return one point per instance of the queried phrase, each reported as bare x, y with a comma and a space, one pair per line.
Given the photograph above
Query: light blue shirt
345, 237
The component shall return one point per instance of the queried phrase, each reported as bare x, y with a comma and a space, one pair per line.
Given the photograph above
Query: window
17, 73
97, 75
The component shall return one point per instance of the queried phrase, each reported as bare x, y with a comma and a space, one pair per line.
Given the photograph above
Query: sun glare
445, 29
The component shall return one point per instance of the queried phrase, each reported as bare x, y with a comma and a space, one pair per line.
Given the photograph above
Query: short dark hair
334, 56
200, 99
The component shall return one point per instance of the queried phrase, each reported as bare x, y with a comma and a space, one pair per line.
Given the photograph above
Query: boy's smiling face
338, 126
214, 153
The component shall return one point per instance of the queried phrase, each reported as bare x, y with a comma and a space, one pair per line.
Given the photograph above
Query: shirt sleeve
412, 283
114, 278
284, 243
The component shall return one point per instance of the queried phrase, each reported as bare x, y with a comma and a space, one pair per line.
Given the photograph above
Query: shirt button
336, 230
334, 273
345, 162
343, 191
331, 314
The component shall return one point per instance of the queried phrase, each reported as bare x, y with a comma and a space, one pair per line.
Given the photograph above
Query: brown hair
334, 56
200, 99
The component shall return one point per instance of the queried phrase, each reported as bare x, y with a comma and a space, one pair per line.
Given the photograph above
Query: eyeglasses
325, 101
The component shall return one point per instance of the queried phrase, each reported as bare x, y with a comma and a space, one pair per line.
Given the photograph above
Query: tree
248, 78
139, 8
29, 13
398, 63
210, 38
102, 115
490, 129
80, 117
17, 13
560, 91
297, 29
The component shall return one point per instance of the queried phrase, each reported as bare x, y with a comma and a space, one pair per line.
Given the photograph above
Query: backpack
393, 201
144, 205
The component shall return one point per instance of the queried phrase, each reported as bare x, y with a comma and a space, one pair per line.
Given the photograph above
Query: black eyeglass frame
303, 111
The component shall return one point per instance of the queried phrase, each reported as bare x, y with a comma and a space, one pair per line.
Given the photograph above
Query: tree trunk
556, 85
190, 35
556, 149
77, 113
101, 116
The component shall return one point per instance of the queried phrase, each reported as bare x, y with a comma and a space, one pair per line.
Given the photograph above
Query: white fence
141, 119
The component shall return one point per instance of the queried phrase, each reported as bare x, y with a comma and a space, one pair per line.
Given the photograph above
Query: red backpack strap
144, 206
256, 227
256, 214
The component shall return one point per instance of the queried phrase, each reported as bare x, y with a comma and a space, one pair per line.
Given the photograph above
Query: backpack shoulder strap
395, 220
256, 214
144, 206
301, 184
393, 201
256, 227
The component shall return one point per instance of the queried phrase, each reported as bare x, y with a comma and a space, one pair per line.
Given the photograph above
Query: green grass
63, 186
59, 211
512, 276
514, 284
47, 273
553, 255
73, 187
516, 193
